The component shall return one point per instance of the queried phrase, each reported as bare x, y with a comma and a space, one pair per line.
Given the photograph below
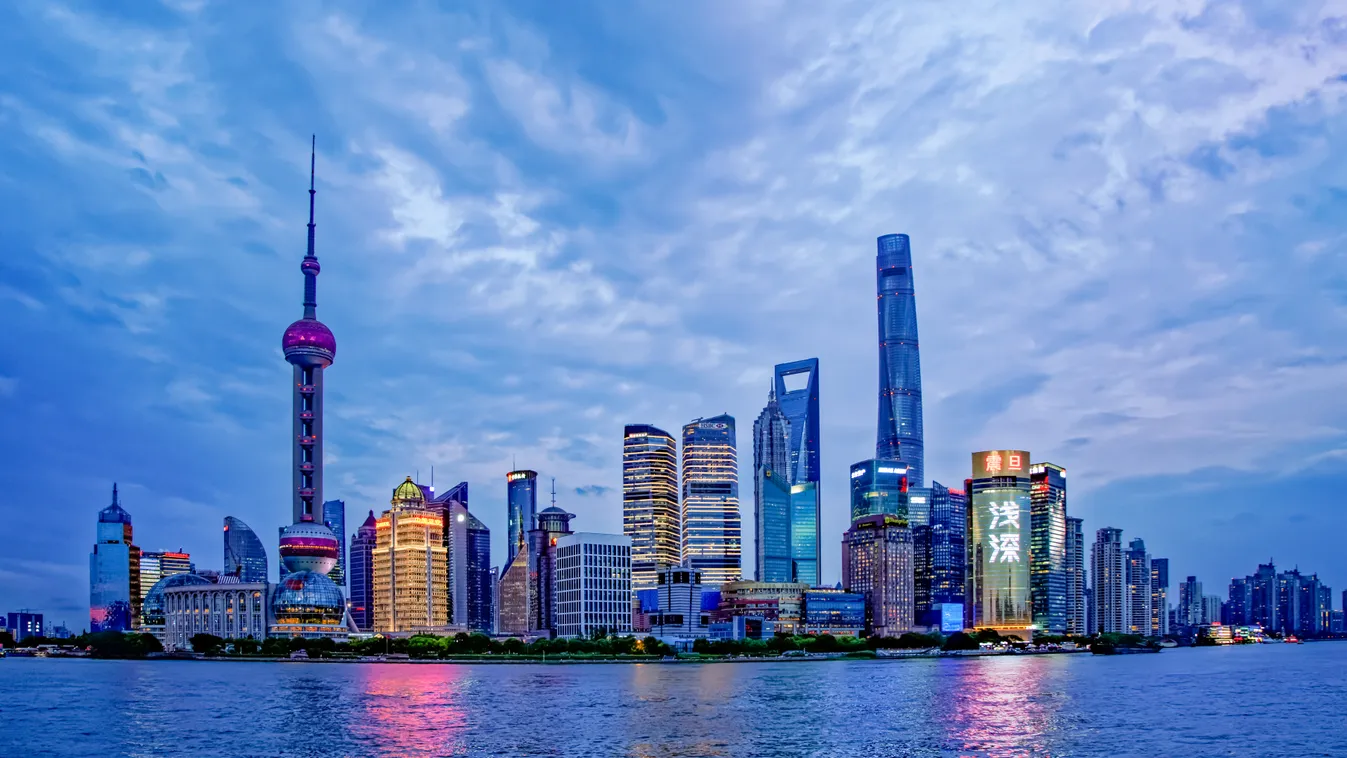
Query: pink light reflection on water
1004, 706
413, 709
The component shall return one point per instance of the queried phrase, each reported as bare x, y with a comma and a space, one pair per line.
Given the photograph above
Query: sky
538, 222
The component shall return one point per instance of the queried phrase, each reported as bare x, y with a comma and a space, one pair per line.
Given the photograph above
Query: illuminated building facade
467, 542
1160, 597
1047, 547
410, 565
1138, 576
833, 611
244, 555
362, 573
514, 595
940, 555
999, 593
796, 390
553, 524
334, 518
1108, 572
900, 436
593, 584
650, 501
879, 487
771, 493
878, 562
1077, 587
306, 604
521, 497
805, 549
24, 624
1190, 602
779, 602
157, 564
188, 604
711, 522
114, 572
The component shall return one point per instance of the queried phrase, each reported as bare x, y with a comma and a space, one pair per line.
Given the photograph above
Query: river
1270, 700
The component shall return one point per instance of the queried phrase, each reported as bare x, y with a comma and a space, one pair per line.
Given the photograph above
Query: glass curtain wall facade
942, 546
900, 436
999, 582
711, 523
114, 572
804, 533
362, 574
650, 501
334, 517
1138, 575
771, 493
1047, 547
1159, 597
879, 487
244, 555
521, 496
796, 387
1076, 584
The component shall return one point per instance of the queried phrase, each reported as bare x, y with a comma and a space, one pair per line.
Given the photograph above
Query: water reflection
1002, 706
412, 709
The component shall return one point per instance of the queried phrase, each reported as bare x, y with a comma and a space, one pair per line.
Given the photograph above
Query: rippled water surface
1280, 700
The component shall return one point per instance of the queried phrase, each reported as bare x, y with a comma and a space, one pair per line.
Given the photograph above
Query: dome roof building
408, 495
308, 604
309, 546
152, 608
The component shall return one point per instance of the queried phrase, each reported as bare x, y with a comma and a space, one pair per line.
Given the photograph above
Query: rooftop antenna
432, 476
554, 492
514, 464
114, 493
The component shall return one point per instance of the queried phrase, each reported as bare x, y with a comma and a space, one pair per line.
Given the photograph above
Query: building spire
114, 494
310, 266
554, 492
771, 391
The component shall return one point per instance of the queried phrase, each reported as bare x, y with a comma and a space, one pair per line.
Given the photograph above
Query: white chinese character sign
1001, 498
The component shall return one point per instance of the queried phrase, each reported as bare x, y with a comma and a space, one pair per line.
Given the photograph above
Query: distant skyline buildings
710, 506
900, 434
1137, 568
1047, 547
1160, 597
771, 492
334, 518
879, 487
1108, 566
521, 498
650, 501
361, 578
1077, 578
114, 572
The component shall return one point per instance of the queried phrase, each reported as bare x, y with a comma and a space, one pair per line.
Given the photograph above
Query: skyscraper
593, 584
411, 565
1077, 586
999, 584
711, 522
521, 495
1047, 547
362, 573
877, 561
796, 388
553, 524
900, 436
1159, 597
940, 545
650, 501
334, 518
1138, 573
157, 564
244, 555
310, 347
879, 487
114, 572
771, 493
1108, 571
1190, 602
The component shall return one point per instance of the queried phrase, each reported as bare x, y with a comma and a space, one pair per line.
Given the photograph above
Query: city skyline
1029, 272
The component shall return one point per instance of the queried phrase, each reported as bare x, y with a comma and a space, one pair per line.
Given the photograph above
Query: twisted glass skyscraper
899, 436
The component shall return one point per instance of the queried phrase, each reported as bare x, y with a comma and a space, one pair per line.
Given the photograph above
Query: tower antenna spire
310, 266
114, 493
554, 492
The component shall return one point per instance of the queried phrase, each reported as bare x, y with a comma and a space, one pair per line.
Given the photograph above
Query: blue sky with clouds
540, 221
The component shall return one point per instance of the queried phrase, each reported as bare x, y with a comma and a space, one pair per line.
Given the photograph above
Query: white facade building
227, 610
593, 584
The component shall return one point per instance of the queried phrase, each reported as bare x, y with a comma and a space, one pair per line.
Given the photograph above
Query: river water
1271, 700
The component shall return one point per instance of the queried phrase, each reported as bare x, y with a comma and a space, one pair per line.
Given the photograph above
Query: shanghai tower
899, 437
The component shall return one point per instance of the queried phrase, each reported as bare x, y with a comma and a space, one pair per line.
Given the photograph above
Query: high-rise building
593, 575
711, 522
310, 347
877, 561
1108, 572
467, 543
805, 550
244, 555
553, 524
879, 487
999, 583
796, 387
899, 436
940, 550
411, 565
157, 564
650, 501
1138, 574
24, 624
334, 518
1190, 602
1160, 597
521, 495
363, 543
1047, 547
114, 572
678, 609
1266, 607
1077, 588
1239, 604
1211, 609
771, 493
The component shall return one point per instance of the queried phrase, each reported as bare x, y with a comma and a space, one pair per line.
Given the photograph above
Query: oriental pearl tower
309, 346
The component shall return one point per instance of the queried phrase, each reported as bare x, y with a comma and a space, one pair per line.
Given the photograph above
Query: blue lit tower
310, 347
521, 496
899, 436
796, 385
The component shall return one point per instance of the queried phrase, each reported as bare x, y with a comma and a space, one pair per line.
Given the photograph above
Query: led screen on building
999, 588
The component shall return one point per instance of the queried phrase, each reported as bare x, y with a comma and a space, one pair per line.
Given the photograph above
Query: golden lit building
411, 565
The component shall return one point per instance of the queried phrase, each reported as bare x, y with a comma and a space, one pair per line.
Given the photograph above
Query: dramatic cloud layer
538, 225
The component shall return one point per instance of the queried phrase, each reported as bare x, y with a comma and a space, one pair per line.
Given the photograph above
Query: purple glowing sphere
309, 333
310, 266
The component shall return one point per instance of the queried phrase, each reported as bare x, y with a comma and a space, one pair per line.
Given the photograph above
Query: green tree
276, 647
961, 641
208, 644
